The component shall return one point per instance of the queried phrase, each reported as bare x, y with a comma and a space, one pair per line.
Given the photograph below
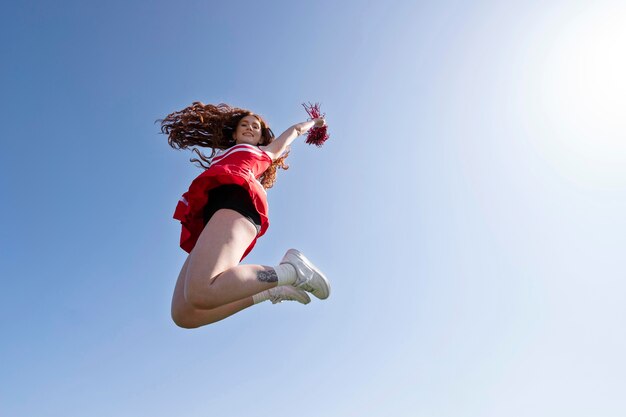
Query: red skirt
190, 208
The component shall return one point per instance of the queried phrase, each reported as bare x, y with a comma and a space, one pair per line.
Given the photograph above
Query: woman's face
248, 131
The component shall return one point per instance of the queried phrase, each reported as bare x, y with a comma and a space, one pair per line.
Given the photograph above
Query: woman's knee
182, 321
189, 319
199, 294
185, 317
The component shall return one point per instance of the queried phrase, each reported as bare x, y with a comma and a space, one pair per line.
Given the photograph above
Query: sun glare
591, 59
583, 93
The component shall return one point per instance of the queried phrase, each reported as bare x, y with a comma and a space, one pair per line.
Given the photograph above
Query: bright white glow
582, 105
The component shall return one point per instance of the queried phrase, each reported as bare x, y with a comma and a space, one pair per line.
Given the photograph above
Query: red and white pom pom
317, 135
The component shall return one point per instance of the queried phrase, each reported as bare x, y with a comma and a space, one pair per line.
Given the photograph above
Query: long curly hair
212, 126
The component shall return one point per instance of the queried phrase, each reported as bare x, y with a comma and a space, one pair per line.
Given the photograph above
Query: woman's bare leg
212, 285
214, 277
185, 315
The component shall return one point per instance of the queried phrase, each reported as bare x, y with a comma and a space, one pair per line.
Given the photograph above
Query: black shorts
235, 198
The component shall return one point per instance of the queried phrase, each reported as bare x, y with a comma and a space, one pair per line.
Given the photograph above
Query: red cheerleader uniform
240, 165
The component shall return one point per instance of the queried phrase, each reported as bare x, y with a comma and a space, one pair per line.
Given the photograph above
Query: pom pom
317, 135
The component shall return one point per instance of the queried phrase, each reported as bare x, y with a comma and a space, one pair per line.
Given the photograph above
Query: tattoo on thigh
269, 275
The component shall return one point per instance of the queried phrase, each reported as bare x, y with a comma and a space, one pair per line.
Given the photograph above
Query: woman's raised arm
281, 143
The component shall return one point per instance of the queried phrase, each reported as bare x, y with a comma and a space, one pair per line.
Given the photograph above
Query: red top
241, 165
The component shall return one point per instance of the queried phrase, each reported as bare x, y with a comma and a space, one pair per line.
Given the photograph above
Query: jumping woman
224, 212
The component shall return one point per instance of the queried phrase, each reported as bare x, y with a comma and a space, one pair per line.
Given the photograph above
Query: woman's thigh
220, 246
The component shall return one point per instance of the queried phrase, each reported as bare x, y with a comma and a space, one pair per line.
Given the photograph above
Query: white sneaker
309, 277
289, 293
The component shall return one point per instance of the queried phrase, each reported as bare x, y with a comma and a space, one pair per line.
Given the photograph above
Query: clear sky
468, 208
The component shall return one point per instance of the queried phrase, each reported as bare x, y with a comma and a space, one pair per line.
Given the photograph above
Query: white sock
260, 297
286, 274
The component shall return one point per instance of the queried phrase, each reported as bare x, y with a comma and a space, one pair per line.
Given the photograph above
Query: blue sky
468, 208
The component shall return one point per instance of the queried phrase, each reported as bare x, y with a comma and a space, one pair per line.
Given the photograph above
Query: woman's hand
319, 122
302, 128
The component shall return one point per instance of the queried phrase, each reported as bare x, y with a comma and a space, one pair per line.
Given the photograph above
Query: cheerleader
224, 212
